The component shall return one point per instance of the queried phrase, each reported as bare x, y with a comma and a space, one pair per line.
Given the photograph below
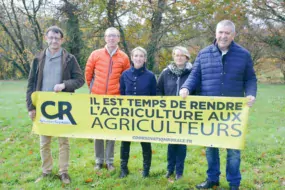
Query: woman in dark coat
169, 84
137, 81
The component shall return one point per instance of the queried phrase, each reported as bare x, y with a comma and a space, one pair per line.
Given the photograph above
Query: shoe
110, 167
124, 173
168, 174
98, 167
44, 175
64, 178
178, 176
234, 187
147, 155
207, 185
145, 174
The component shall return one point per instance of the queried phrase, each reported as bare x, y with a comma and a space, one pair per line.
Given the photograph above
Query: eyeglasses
54, 38
112, 35
179, 55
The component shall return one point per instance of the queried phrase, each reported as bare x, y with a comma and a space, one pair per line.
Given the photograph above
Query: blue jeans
232, 170
176, 154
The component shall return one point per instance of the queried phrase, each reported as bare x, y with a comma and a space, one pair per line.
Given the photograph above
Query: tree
15, 20
271, 20
155, 33
74, 42
112, 17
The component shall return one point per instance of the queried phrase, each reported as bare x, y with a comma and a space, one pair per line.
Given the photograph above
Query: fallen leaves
263, 154
89, 180
203, 152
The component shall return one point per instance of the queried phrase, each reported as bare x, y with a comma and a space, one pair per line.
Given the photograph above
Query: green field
263, 160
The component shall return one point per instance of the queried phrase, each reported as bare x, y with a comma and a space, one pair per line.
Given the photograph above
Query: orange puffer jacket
103, 72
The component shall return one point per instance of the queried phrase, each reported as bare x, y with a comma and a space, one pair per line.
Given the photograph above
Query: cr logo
61, 111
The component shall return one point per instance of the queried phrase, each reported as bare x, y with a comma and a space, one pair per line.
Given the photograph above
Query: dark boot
178, 176
207, 185
124, 171
125, 151
147, 154
168, 174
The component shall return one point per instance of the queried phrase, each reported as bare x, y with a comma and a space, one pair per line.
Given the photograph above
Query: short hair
112, 29
55, 29
139, 49
183, 50
227, 23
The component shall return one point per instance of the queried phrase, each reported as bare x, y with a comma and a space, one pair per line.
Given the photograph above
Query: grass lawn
262, 166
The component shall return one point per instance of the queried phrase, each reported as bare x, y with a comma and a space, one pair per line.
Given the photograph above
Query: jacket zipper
109, 72
177, 87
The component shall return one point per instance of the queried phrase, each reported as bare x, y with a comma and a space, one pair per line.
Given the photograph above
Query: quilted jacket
229, 75
103, 72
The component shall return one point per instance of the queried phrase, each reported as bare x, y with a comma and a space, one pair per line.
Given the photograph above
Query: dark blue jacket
169, 84
231, 75
138, 82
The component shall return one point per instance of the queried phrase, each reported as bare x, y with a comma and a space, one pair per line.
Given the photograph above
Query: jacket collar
113, 52
41, 64
186, 70
216, 47
42, 54
139, 71
57, 54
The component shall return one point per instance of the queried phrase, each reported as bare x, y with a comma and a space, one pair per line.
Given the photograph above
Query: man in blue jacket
222, 69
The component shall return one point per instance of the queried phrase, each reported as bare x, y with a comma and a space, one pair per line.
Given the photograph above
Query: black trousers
125, 153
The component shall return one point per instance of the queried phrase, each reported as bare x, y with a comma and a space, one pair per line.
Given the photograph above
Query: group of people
222, 69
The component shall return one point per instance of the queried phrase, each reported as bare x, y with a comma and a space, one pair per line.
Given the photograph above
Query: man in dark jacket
54, 69
223, 69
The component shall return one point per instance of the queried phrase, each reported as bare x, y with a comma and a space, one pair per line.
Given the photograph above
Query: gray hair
227, 23
112, 29
55, 29
139, 49
183, 50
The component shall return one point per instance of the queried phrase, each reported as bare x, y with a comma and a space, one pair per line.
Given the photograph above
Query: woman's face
179, 58
138, 59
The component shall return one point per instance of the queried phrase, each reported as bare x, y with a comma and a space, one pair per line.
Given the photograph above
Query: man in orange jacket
103, 71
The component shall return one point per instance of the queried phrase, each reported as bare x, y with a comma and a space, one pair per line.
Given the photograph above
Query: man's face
224, 37
112, 38
54, 40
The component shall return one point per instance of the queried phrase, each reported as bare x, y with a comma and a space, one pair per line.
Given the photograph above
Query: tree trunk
111, 8
112, 17
152, 47
73, 33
